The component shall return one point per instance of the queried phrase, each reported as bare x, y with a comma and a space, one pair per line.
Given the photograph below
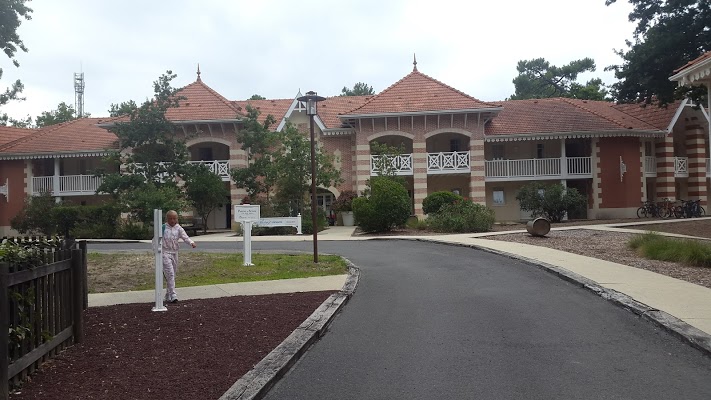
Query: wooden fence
40, 312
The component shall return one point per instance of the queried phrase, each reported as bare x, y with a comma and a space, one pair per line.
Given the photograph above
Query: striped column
477, 179
419, 176
596, 173
28, 178
361, 167
641, 170
696, 151
238, 159
665, 168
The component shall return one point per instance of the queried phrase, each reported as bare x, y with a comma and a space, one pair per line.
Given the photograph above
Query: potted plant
343, 204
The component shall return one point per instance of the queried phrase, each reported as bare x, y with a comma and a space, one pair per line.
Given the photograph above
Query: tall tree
257, 139
11, 14
669, 33
257, 97
538, 79
359, 89
63, 113
205, 191
123, 108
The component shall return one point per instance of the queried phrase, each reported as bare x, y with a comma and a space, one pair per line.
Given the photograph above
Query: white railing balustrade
538, 167
447, 163
42, 184
220, 168
650, 166
681, 167
79, 183
400, 164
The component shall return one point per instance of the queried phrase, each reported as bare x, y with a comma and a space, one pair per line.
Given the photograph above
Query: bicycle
666, 208
648, 209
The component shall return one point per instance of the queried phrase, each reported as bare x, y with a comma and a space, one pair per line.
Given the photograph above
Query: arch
390, 133
449, 130
204, 139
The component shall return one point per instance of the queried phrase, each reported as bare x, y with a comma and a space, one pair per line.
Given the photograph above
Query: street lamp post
311, 100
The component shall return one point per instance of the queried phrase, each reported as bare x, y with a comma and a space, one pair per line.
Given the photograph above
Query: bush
435, 201
306, 221
135, 231
97, 222
36, 216
387, 207
462, 216
414, 223
550, 201
657, 247
344, 202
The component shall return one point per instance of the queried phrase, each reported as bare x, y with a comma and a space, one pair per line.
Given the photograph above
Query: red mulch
196, 350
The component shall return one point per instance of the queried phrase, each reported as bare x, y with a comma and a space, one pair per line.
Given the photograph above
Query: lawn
117, 272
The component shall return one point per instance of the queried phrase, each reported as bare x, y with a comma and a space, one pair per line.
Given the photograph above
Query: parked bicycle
666, 208
689, 209
648, 209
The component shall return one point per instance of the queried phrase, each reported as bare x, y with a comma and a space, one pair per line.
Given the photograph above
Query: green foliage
36, 216
668, 34
141, 202
205, 191
123, 108
63, 113
383, 165
98, 221
307, 223
258, 140
65, 218
11, 14
657, 247
257, 97
537, 79
387, 207
26, 255
359, 89
550, 201
135, 231
414, 223
433, 202
462, 216
344, 202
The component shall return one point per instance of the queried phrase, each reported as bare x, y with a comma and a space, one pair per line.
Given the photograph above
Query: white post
158, 250
55, 181
298, 225
247, 226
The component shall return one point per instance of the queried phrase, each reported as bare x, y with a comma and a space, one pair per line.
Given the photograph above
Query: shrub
307, 223
387, 207
344, 202
135, 231
36, 216
97, 221
657, 247
414, 223
435, 201
550, 201
462, 216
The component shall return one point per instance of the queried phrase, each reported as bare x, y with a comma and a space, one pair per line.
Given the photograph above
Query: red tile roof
659, 117
332, 107
694, 62
10, 133
74, 136
202, 103
418, 92
276, 108
561, 115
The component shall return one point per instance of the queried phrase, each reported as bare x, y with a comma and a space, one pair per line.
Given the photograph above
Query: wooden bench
194, 225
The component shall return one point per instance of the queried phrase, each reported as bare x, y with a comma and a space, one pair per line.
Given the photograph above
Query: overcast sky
276, 47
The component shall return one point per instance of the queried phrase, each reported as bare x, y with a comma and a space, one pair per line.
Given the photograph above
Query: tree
123, 108
550, 201
386, 207
257, 139
359, 89
63, 113
257, 97
11, 14
537, 79
205, 191
668, 34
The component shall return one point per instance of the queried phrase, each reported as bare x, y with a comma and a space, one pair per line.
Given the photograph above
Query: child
172, 232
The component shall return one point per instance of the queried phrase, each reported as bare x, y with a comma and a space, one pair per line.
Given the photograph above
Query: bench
194, 225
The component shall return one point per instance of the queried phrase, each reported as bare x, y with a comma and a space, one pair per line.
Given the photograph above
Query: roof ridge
220, 97
613, 120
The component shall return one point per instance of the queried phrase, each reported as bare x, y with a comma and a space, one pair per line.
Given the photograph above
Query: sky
276, 47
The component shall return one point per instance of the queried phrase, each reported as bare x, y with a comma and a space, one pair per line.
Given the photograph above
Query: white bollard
247, 226
158, 250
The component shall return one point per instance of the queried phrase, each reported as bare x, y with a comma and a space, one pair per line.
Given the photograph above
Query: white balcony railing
400, 164
650, 166
69, 185
681, 167
218, 167
537, 168
448, 163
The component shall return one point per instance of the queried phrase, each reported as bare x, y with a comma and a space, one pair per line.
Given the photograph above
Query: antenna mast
79, 94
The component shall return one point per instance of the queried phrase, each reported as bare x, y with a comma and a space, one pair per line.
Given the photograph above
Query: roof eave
183, 122
418, 113
558, 135
702, 67
55, 154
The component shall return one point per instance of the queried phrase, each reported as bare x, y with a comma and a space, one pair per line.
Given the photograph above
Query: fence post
77, 297
84, 273
4, 270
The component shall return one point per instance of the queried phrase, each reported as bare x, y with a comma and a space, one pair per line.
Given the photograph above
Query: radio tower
79, 94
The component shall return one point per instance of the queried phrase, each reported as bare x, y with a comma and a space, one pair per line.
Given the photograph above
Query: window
497, 152
205, 154
499, 199
539, 150
454, 145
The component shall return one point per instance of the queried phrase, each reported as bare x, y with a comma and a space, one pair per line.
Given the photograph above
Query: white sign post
247, 215
158, 250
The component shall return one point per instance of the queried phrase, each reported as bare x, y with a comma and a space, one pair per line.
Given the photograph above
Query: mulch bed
196, 350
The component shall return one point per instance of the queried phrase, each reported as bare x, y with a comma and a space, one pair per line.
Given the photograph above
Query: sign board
247, 213
281, 221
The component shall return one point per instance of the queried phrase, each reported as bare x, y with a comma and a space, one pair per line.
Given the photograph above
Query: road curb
257, 382
689, 334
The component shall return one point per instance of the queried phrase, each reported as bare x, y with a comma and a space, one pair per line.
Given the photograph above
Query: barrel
538, 227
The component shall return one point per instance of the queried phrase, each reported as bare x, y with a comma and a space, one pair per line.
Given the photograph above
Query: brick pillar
477, 179
361, 167
596, 173
419, 178
28, 179
238, 159
665, 168
642, 174
696, 151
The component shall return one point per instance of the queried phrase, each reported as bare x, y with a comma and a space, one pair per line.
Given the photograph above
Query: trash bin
538, 227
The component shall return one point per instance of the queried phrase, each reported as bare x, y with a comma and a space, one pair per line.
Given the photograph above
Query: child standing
172, 232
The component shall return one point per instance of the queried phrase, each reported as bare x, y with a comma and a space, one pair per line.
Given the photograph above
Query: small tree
205, 191
359, 89
258, 140
36, 216
387, 207
550, 201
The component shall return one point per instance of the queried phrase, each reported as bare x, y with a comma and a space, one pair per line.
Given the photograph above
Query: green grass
135, 271
657, 247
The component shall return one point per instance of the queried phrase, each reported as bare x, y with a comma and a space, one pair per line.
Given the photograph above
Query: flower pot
347, 217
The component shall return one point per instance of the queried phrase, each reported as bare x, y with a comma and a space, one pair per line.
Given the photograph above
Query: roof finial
198, 73
414, 62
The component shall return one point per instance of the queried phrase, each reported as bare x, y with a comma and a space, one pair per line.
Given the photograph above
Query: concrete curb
687, 333
257, 382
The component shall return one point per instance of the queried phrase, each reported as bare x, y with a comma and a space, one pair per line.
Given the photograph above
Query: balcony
650, 166
454, 162
69, 185
220, 168
538, 168
400, 164
681, 167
